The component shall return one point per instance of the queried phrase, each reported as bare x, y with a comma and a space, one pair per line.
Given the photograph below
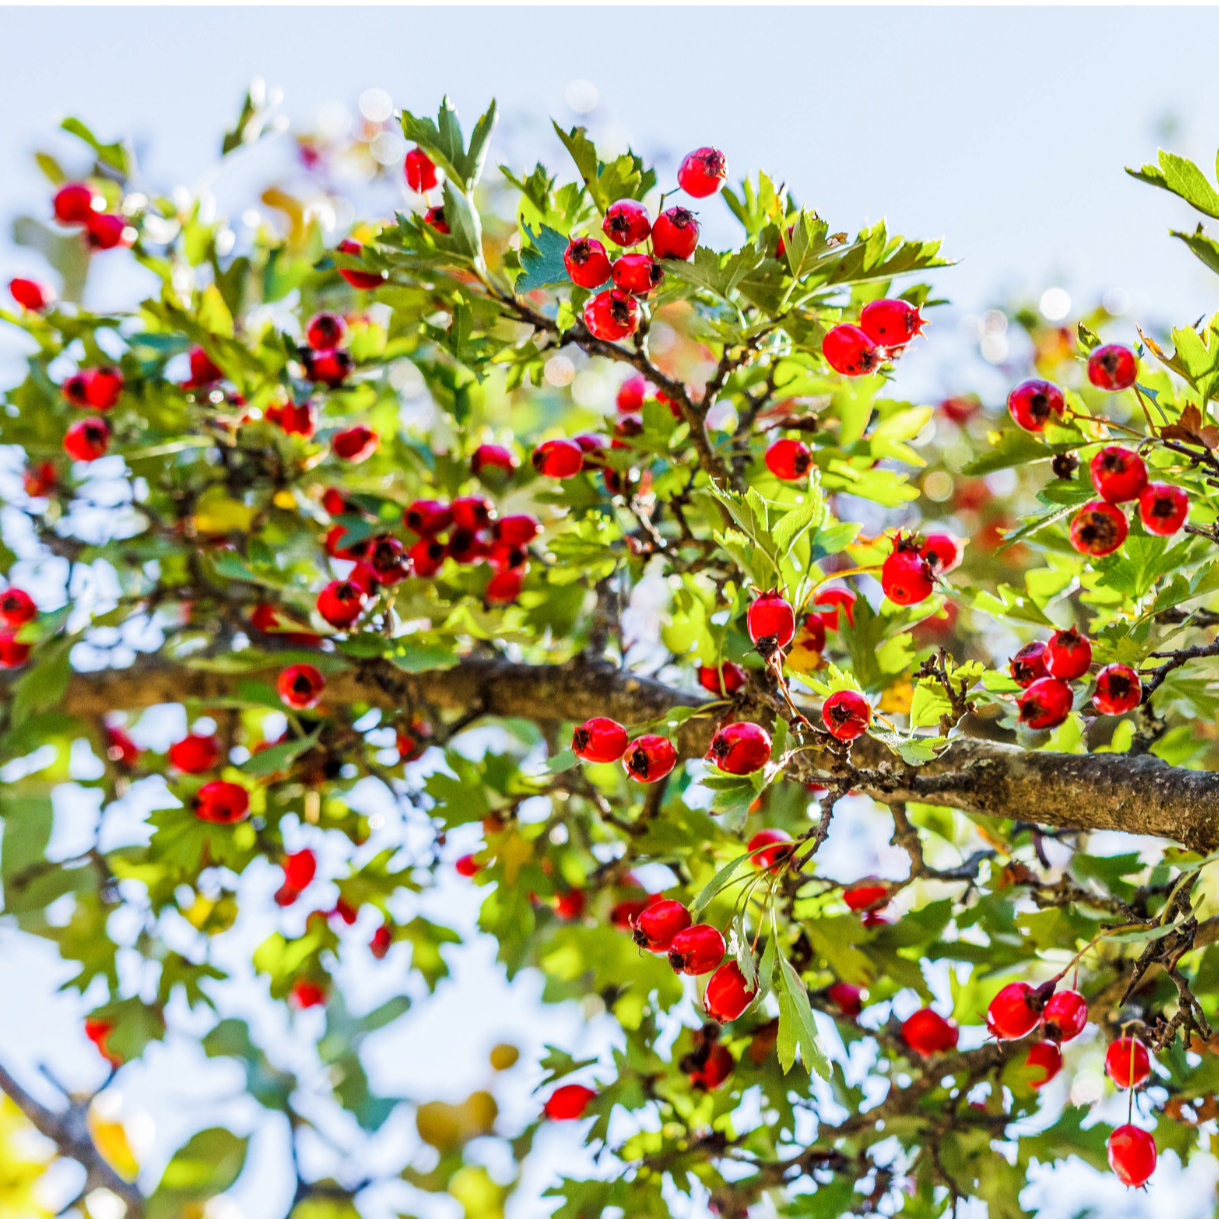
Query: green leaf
114, 155
717, 882
542, 260
463, 220
206, 1166
796, 1024
1204, 248
1013, 448
279, 757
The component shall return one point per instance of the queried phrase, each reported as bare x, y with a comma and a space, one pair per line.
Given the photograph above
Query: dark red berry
105, 231
435, 218
1163, 508
1065, 1015
467, 546
740, 749
325, 331
1047, 1056
727, 994
942, 552
40, 480
611, 315
588, 265
927, 1033
1030, 664
709, 1067
467, 866
1112, 367
17, 607
12, 654
631, 395
358, 279
789, 459
1098, 529
907, 577
98, 388
492, 457
1118, 474
194, 754
301, 686
427, 557
341, 602
649, 758
849, 351
846, 998
866, 894
381, 941
1015, 1011
656, 925
472, 511
73, 204
836, 599
702, 172
1045, 704
1032, 403
295, 419
732, 678
567, 1104
626, 223
203, 369
428, 517
517, 530
420, 171
1127, 1062
558, 458
675, 234
1118, 690
330, 366
30, 294
637, 273
846, 715
355, 444
771, 621
600, 740
1132, 1155
570, 905
121, 749
299, 869
768, 849
389, 560
222, 803
1070, 655
890, 323
305, 994
696, 950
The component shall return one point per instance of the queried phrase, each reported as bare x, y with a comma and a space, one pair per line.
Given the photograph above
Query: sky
1003, 131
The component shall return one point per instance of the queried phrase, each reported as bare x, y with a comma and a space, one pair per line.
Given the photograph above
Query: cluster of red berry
16, 609
885, 326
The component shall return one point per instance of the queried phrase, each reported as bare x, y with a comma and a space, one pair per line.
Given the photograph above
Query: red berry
388, 560
121, 749
789, 459
194, 754
1112, 367
301, 686
567, 1104
740, 749
355, 444
299, 869
570, 905
1014, 1012
702, 172
675, 234
890, 323
1132, 1155
558, 458
1047, 1056
420, 171
709, 1067
836, 598
325, 331
588, 265
733, 677
517, 530
87, 439
849, 351
428, 517
1163, 508
1118, 690
222, 803
656, 926
1070, 655
294, 419
624, 913
203, 370
637, 273
769, 848
600, 740
472, 512
611, 315
492, 457
507, 558
98, 388
846, 998
846, 715
17, 607
381, 940
104, 231
467, 866
307, 994
504, 588
961, 408
727, 994
631, 394
864, 894
1032, 403
906, 576
771, 621
1098, 528
434, 218
30, 294
427, 557
358, 279
1045, 704
927, 1033
626, 223
592, 445
696, 950
1118, 474
330, 366
73, 203
41, 480
1065, 1015
1127, 1062
412, 742
942, 552
341, 602
1030, 664
649, 758
97, 1032
12, 654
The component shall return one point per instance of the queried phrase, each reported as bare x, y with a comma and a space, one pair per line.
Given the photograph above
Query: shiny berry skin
1132, 1155
864, 894
420, 171
696, 950
388, 560
1163, 508
104, 231
849, 351
467, 546
768, 849
510, 562
637, 273
17, 607
30, 294
656, 926
906, 577
341, 602
428, 517
789, 460
649, 758
631, 394
355, 444
427, 557
73, 203
836, 599
771, 621
890, 323
381, 941
740, 749
40, 480
1030, 664
1065, 1015
222, 803
1045, 704
358, 279
1118, 690
942, 552
203, 370
675, 234
927, 1033
98, 388
1032, 403
709, 677
194, 754
434, 218
1127, 1062
558, 458
1112, 367
567, 1104
307, 994
626, 223
727, 994
1070, 654
1098, 529
467, 866
846, 998
299, 869
599, 740
472, 511
702, 172
517, 530
611, 315
325, 331
1014, 1012
846, 715
492, 457
588, 265
12, 654
330, 366
708, 1068
301, 686
1118, 474
1047, 1056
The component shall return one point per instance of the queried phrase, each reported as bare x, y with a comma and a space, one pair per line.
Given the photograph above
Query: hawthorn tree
339, 591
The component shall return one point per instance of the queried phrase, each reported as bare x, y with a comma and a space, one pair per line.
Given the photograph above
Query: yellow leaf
216, 513
514, 851
284, 499
110, 1139
214, 313
897, 698
22, 1165
804, 657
